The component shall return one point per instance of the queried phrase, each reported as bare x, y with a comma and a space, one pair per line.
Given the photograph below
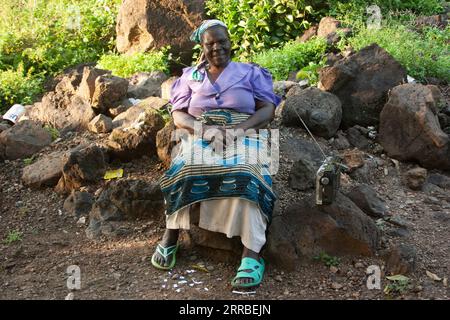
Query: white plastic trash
134, 101
14, 113
411, 79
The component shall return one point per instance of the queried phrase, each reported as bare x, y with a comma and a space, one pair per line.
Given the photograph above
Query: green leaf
280, 10
398, 277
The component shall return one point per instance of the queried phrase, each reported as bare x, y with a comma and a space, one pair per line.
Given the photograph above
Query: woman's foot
247, 253
170, 239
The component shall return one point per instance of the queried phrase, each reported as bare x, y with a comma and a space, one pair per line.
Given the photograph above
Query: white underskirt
231, 216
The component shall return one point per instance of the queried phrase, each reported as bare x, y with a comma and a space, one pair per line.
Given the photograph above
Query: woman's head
215, 41
216, 46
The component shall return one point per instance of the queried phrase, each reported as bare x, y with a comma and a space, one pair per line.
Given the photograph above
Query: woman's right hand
212, 132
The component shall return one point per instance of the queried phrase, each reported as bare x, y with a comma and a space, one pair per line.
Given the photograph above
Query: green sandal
256, 274
165, 253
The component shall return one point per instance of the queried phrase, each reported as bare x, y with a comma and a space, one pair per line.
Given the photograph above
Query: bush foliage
127, 65
256, 25
43, 37
292, 56
422, 54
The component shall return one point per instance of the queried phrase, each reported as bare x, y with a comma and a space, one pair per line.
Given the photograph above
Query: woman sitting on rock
233, 196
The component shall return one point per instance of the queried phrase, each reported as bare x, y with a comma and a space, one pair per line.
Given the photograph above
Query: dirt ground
33, 265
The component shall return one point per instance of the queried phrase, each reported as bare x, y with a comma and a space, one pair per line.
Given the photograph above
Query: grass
425, 54
127, 65
399, 285
292, 56
53, 132
13, 236
326, 259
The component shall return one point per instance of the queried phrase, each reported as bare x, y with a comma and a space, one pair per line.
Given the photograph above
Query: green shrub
292, 56
53, 35
311, 72
355, 10
127, 65
45, 37
17, 87
399, 285
256, 25
423, 55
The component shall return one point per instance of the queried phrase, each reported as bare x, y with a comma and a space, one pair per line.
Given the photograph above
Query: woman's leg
169, 239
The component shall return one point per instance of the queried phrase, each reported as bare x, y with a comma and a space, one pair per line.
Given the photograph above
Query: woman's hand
265, 113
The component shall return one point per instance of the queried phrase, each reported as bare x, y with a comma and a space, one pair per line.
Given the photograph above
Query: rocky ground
33, 265
391, 217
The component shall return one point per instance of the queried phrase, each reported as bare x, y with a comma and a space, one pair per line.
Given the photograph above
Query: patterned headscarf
197, 34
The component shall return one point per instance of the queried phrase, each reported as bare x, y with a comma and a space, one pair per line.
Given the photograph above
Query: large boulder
439, 180
330, 29
321, 111
23, 140
166, 87
128, 117
357, 137
308, 34
409, 127
415, 178
305, 230
79, 203
45, 172
362, 82
303, 175
62, 111
101, 89
124, 200
146, 84
165, 142
154, 103
67, 107
214, 245
327, 26
366, 198
401, 259
101, 124
4, 126
147, 24
86, 87
131, 115
297, 148
69, 82
84, 165
281, 88
137, 139
109, 92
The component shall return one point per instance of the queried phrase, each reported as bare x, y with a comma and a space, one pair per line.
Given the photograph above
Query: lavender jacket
236, 88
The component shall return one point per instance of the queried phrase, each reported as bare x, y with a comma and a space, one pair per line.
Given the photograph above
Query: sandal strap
255, 275
252, 264
166, 251
256, 267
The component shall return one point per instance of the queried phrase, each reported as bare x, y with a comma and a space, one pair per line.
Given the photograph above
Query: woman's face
217, 46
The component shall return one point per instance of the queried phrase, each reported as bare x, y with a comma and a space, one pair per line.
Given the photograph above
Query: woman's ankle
250, 254
170, 237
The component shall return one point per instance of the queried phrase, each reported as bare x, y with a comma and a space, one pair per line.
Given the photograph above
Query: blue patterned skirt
198, 173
